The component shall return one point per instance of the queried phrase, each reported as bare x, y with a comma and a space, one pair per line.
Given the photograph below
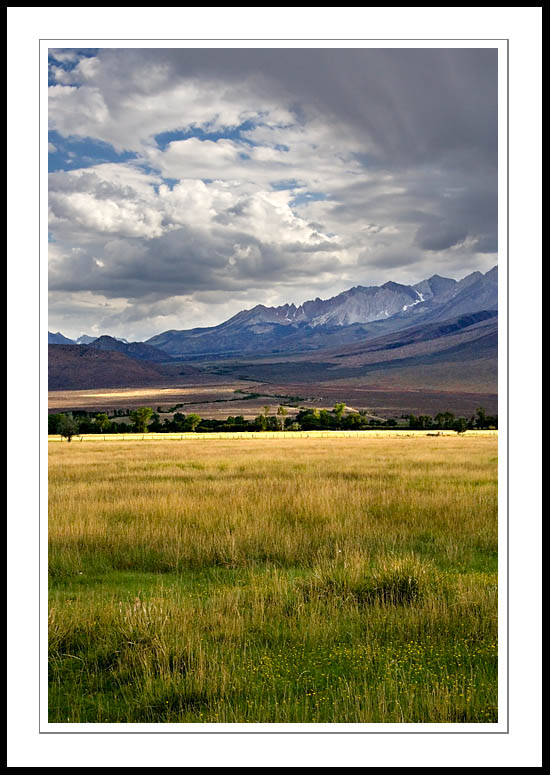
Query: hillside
80, 367
459, 354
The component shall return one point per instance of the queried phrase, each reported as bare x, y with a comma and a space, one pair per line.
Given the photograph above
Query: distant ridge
137, 350
58, 338
85, 339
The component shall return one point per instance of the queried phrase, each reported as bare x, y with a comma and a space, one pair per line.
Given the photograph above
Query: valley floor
247, 398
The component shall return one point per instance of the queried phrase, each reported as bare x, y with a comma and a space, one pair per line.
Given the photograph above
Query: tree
178, 421
260, 422
309, 419
102, 422
353, 421
444, 420
339, 411
420, 423
53, 423
460, 425
140, 417
155, 424
192, 421
272, 423
481, 419
492, 422
67, 426
326, 419
282, 413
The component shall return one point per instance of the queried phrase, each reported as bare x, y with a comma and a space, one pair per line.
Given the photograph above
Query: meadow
283, 580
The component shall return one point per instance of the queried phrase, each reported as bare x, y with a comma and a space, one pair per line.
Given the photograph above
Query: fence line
366, 434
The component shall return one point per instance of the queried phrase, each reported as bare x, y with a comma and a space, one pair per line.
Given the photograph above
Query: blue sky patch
170, 182
305, 197
284, 185
73, 153
164, 139
56, 59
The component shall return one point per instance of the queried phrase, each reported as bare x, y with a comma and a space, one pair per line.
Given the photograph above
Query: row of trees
144, 420
447, 421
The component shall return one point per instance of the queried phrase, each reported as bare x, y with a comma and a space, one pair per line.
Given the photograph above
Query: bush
394, 581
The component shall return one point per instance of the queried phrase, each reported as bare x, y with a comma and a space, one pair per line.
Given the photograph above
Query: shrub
393, 581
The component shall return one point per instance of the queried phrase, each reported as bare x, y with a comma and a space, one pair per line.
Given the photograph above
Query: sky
188, 184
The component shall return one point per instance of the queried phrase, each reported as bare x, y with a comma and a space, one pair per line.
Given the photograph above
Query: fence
367, 434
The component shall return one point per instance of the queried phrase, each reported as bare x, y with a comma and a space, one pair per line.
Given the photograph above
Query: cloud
270, 174
390, 259
440, 235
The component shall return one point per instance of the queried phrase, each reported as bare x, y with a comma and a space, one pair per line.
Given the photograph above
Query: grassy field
279, 580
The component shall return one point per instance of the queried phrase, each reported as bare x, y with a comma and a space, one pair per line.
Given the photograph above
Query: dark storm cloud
389, 259
439, 235
415, 105
183, 262
469, 212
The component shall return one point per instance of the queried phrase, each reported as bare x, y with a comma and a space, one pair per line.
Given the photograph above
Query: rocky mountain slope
354, 315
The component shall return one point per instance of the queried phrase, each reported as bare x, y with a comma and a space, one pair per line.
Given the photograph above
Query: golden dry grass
274, 580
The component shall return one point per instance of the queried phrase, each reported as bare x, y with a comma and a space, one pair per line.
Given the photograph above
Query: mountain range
84, 339
354, 315
438, 335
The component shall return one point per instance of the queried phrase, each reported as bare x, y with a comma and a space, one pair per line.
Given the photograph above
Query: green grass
279, 581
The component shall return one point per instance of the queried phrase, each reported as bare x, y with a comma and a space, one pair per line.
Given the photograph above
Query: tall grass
275, 581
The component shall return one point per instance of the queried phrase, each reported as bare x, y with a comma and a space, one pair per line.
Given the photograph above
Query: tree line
447, 421
145, 420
